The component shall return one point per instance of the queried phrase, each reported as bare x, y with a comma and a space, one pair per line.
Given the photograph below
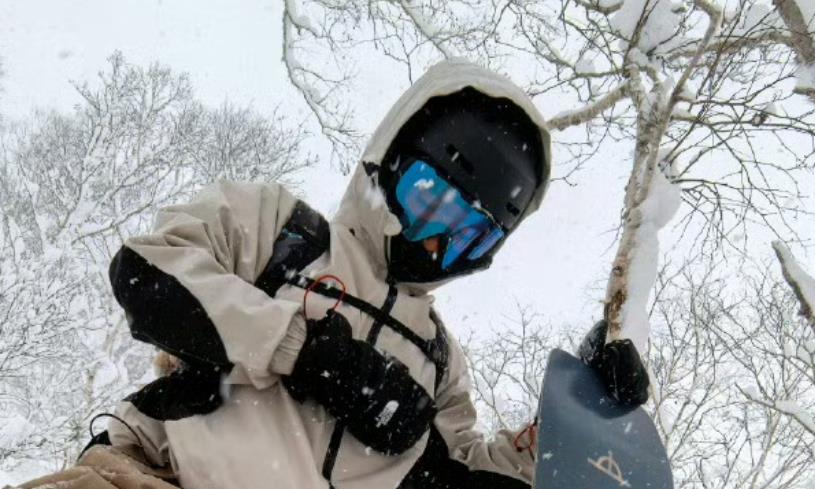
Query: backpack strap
304, 238
439, 348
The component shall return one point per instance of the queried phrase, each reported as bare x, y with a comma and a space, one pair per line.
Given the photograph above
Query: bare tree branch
585, 114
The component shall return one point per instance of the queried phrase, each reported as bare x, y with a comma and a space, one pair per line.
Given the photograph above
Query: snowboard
588, 441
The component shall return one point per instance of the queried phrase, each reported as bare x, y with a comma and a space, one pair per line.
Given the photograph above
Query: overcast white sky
231, 49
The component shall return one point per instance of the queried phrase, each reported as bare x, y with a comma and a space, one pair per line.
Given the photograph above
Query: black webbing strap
373, 334
333, 449
431, 348
339, 428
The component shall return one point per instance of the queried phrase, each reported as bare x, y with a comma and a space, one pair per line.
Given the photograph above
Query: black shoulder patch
162, 312
310, 224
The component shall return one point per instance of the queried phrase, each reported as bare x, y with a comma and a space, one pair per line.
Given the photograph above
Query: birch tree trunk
634, 269
803, 40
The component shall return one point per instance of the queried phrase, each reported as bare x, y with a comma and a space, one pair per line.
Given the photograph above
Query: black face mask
410, 262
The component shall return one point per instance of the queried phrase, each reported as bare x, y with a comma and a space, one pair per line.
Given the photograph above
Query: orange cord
532, 429
314, 285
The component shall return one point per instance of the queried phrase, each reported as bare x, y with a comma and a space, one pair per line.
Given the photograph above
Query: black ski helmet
487, 147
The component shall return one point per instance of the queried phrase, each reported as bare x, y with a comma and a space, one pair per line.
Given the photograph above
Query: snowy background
552, 273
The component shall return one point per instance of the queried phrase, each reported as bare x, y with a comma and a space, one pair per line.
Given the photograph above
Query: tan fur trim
164, 364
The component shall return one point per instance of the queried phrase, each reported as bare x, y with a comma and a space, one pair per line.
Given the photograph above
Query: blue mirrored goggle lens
433, 207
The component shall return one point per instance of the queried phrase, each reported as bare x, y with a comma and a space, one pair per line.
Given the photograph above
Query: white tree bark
653, 117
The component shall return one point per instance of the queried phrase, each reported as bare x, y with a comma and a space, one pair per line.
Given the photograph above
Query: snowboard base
586, 440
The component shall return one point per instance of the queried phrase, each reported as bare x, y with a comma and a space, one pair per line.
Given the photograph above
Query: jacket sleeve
495, 463
188, 286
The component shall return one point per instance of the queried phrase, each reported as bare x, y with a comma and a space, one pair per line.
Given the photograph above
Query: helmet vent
455, 156
513, 210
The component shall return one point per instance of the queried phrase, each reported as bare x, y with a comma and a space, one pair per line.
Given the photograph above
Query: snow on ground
657, 210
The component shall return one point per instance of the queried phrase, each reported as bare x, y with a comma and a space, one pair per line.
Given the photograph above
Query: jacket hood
363, 208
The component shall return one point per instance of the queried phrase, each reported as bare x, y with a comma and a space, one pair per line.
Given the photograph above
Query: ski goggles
434, 207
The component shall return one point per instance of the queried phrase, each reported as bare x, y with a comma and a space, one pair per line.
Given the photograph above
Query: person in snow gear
459, 173
311, 354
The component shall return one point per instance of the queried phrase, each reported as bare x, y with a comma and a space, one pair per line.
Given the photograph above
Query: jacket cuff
282, 362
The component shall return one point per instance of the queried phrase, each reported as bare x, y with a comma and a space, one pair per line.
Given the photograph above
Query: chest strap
435, 350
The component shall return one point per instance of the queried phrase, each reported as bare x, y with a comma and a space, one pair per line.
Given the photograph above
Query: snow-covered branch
334, 119
715, 16
423, 25
801, 283
635, 265
787, 407
604, 7
585, 114
799, 17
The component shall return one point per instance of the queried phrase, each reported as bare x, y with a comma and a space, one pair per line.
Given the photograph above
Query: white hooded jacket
195, 276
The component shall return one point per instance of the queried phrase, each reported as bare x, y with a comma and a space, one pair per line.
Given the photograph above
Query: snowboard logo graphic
608, 466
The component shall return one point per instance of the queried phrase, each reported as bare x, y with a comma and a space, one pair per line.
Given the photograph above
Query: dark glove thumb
591, 348
625, 374
618, 363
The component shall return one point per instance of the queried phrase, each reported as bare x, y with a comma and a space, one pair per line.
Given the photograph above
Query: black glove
193, 389
373, 394
618, 364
